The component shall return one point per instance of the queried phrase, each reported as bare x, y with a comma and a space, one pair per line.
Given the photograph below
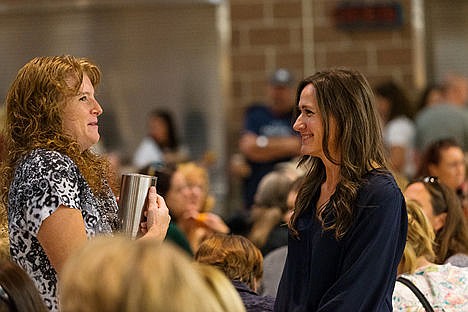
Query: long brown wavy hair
345, 96
34, 104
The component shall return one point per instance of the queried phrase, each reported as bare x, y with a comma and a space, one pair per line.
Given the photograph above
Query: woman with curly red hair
56, 189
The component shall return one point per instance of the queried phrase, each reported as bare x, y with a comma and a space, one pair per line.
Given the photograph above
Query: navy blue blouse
356, 273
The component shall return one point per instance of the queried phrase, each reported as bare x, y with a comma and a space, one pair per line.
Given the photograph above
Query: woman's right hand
157, 217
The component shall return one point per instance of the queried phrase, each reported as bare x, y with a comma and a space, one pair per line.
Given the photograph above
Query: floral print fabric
444, 286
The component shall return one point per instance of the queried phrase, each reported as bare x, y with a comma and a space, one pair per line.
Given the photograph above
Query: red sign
351, 16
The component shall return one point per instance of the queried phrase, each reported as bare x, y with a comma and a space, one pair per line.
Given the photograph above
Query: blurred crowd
210, 261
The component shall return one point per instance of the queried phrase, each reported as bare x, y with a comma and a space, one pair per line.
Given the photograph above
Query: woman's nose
298, 124
97, 109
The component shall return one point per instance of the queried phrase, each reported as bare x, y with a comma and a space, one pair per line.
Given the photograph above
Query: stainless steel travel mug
133, 193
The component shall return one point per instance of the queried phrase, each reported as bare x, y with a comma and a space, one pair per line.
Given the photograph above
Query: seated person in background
161, 143
445, 159
267, 135
399, 132
117, 274
432, 94
198, 182
171, 185
273, 262
241, 261
200, 201
443, 210
188, 227
222, 288
444, 286
269, 229
17, 291
447, 117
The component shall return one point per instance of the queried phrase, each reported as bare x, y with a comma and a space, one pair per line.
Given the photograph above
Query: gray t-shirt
440, 122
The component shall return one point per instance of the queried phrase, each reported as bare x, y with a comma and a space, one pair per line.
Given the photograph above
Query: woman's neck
328, 187
333, 176
422, 262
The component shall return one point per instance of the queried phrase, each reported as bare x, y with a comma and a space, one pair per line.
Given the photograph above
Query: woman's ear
439, 221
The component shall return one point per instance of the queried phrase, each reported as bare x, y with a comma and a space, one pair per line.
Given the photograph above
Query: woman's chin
307, 151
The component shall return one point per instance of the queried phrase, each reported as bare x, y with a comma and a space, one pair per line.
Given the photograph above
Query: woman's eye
83, 98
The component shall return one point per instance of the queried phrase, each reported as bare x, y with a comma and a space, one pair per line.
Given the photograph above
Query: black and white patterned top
43, 181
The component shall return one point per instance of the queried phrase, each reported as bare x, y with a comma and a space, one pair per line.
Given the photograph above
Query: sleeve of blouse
52, 180
372, 251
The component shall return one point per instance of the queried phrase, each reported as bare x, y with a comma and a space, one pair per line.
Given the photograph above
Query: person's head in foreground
222, 288
117, 274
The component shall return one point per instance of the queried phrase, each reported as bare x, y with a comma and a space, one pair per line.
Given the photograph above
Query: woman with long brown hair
348, 230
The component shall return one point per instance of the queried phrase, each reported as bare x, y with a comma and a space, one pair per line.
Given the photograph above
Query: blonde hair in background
270, 205
222, 288
420, 239
118, 274
235, 255
198, 175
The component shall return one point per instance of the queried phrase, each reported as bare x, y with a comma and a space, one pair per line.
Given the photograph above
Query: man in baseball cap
267, 137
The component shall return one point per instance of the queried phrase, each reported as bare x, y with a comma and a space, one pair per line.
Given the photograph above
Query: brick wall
301, 36
265, 35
